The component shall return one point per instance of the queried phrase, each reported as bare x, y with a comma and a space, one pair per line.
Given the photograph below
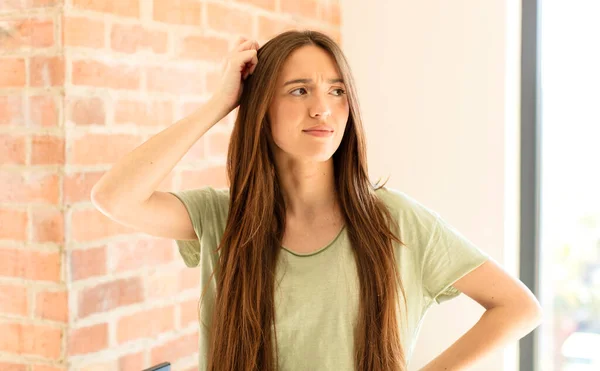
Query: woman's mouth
319, 133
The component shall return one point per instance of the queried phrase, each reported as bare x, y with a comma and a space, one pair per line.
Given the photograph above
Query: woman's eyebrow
310, 81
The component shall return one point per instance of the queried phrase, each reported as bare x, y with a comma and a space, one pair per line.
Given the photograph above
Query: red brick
26, 187
129, 38
306, 8
88, 263
132, 362
47, 71
86, 111
174, 80
47, 150
12, 149
132, 255
264, 4
143, 112
12, 366
28, 33
91, 224
209, 48
268, 28
88, 339
13, 300
173, 350
103, 366
178, 11
189, 312
98, 74
9, 5
11, 110
43, 111
215, 176
14, 224
190, 278
39, 340
226, 19
110, 295
217, 143
13, 72
77, 187
330, 12
147, 324
52, 305
48, 225
162, 286
93, 37
32, 265
126, 8
93, 149
47, 368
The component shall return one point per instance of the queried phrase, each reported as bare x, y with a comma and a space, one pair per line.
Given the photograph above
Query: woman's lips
319, 133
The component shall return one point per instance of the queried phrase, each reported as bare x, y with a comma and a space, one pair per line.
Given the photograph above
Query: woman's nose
321, 113
320, 108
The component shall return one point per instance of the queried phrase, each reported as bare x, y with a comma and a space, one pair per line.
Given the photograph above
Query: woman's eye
297, 90
341, 91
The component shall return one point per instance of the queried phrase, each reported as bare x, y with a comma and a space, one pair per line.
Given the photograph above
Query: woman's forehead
308, 62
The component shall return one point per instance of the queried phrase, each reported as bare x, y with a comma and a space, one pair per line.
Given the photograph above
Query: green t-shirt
317, 298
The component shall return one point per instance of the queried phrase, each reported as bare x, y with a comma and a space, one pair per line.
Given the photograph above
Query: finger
247, 57
247, 61
247, 45
254, 63
240, 44
246, 70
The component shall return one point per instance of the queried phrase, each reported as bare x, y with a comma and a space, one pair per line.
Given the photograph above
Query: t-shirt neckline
319, 250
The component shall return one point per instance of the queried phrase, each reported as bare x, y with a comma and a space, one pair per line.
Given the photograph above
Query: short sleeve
448, 257
204, 206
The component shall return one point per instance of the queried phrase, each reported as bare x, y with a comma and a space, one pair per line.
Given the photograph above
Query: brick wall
82, 82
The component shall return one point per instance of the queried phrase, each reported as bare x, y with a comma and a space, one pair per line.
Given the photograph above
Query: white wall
438, 84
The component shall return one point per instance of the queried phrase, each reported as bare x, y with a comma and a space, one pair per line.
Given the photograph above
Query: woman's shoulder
220, 196
396, 197
207, 192
402, 203
205, 199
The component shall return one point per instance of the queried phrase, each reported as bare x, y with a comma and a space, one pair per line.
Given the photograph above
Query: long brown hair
244, 313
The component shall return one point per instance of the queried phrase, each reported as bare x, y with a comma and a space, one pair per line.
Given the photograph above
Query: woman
305, 264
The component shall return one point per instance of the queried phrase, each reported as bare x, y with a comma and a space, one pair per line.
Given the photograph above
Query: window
563, 121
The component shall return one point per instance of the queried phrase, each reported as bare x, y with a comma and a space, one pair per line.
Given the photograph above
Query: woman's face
298, 106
